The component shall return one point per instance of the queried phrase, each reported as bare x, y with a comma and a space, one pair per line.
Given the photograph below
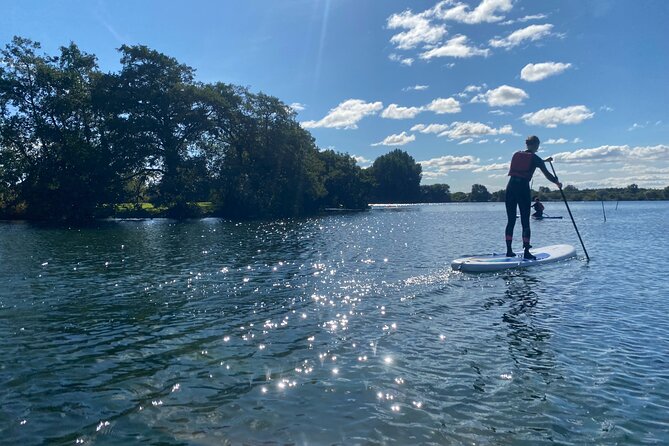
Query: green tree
267, 165
459, 197
164, 114
345, 183
397, 176
54, 159
435, 193
479, 193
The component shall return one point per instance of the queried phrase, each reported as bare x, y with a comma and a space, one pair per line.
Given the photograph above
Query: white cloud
470, 89
456, 47
416, 88
552, 117
449, 162
408, 61
531, 33
346, 115
555, 141
499, 112
296, 106
466, 141
431, 128
606, 108
504, 96
614, 154
473, 88
485, 12
441, 106
419, 30
492, 167
362, 161
536, 72
527, 18
396, 140
394, 111
462, 130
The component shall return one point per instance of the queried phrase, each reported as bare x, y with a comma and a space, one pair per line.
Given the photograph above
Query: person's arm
542, 166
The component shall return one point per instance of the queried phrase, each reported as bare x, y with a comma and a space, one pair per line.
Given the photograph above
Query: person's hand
549, 159
559, 184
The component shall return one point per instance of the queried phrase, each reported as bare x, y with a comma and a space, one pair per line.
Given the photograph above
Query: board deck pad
498, 262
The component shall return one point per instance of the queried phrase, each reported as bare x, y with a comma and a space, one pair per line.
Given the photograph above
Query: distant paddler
523, 165
538, 207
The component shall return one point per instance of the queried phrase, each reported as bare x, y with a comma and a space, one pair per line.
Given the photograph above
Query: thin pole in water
603, 211
617, 205
571, 216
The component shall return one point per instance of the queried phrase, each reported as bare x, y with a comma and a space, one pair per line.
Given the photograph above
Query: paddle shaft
569, 210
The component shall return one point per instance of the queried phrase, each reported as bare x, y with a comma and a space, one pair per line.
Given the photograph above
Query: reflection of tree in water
529, 345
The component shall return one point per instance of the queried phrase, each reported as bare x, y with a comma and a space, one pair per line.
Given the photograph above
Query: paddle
569, 210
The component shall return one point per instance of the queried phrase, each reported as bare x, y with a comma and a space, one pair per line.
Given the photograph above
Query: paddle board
497, 262
546, 218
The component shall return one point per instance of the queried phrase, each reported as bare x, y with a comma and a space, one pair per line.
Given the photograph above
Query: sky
457, 84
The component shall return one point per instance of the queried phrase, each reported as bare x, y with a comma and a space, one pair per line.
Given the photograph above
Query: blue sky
458, 84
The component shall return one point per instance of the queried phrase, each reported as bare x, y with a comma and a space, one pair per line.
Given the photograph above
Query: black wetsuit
539, 208
518, 193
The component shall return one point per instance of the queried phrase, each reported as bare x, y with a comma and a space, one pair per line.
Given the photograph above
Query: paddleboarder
518, 195
538, 208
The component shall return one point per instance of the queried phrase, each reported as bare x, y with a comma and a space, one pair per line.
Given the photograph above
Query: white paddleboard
497, 262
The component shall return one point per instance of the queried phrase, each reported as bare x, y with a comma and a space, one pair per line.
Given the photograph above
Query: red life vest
521, 165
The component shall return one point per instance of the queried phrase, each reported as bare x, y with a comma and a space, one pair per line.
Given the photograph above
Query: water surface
344, 329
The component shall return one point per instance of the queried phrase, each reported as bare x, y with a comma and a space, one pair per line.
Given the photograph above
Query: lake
343, 329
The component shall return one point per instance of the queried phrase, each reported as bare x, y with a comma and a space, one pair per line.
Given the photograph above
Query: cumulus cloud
296, 106
394, 111
419, 29
466, 141
362, 161
407, 61
531, 33
463, 130
346, 115
485, 12
458, 47
614, 154
442, 105
554, 116
536, 72
396, 140
450, 162
504, 96
492, 167
431, 128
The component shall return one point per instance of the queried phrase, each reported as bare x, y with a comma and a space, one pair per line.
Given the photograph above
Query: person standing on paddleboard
523, 165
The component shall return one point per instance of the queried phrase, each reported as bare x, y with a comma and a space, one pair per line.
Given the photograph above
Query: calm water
346, 329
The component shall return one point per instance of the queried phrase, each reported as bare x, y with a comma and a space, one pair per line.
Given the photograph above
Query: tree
479, 193
435, 193
459, 197
164, 113
397, 177
345, 183
267, 165
54, 159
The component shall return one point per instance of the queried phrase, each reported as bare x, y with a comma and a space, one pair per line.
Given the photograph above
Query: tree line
633, 192
77, 143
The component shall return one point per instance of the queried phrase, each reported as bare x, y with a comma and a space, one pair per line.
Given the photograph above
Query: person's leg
511, 203
524, 203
